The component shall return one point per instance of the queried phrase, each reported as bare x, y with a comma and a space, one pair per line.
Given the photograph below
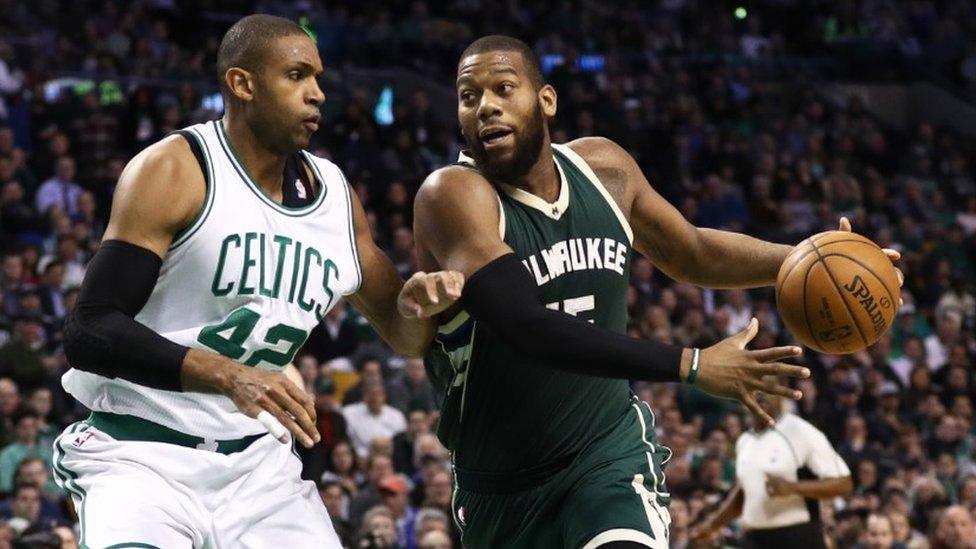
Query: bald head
248, 42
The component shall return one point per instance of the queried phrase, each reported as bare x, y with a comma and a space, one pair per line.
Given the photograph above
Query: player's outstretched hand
427, 294
893, 255
727, 369
276, 401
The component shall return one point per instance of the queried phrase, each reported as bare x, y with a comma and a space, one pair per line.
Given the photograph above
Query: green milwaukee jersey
502, 410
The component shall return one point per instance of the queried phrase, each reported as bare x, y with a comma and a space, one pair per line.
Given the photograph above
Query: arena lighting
741, 13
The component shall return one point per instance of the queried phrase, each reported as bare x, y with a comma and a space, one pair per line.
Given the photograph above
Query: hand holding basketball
838, 292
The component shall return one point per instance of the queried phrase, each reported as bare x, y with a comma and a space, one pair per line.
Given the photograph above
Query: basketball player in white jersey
226, 245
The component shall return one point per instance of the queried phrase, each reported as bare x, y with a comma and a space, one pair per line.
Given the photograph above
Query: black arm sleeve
503, 295
101, 335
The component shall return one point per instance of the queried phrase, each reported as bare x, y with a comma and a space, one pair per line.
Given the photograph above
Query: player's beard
525, 155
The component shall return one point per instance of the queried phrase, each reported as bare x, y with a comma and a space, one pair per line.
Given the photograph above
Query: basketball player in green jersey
550, 448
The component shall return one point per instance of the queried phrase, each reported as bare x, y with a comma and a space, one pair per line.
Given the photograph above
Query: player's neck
266, 167
542, 179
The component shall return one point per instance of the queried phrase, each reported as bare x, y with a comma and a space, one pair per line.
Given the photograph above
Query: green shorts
612, 490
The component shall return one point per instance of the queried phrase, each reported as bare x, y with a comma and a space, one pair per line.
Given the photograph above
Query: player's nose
488, 107
316, 96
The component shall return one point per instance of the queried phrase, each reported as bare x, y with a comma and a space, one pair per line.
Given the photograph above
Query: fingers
430, 284
745, 336
776, 353
273, 426
290, 414
301, 397
783, 369
845, 224
283, 418
901, 277
892, 254
773, 388
761, 416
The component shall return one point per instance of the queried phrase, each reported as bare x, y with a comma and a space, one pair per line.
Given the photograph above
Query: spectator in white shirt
372, 418
739, 310
60, 190
937, 345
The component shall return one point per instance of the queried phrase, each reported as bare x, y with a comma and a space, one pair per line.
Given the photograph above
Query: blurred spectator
378, 467
394, 493
61, 190
25, 445
336, 502
378, 530
372, 418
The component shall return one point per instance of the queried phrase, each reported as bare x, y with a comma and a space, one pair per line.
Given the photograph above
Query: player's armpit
160, 191
456, 220
377, 295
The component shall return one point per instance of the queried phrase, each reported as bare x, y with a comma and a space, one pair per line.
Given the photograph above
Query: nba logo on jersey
462, 516
82, 439
301, 189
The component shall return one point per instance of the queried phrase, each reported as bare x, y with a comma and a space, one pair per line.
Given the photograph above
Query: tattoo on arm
614, 180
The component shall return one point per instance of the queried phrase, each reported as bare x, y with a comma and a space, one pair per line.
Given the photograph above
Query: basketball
837, 292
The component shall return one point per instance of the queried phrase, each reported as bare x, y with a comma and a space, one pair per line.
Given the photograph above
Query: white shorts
152, 494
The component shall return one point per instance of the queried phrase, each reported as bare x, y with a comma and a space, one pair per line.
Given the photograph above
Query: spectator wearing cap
394, 492
25, 445
886, 421
372, 418
781, 471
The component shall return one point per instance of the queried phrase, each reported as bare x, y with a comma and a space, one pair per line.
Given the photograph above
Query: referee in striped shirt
782, 472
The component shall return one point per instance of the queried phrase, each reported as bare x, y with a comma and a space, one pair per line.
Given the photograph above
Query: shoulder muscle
160, 191
456, 216
612, 165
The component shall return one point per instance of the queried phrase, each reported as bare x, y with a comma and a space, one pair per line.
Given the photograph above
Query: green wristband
693, 370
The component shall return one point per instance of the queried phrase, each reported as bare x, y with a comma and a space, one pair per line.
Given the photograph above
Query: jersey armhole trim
353, 245
582, 166
501, 216
198, 145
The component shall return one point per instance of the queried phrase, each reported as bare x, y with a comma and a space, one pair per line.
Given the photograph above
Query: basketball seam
868, 269
806, 314
807, 254
843, 300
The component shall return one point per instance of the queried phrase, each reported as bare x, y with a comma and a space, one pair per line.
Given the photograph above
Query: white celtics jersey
248, 279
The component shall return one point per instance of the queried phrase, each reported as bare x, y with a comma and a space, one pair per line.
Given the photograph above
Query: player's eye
506, 87
295, 75
467, 96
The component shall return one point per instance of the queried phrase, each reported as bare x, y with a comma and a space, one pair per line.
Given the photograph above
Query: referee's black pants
808, 535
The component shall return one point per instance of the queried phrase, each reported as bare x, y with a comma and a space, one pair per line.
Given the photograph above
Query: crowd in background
686, 87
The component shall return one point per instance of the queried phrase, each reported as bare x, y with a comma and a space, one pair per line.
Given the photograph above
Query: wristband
693, 370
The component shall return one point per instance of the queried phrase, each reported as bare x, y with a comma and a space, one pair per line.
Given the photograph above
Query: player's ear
547, 98
240, 83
